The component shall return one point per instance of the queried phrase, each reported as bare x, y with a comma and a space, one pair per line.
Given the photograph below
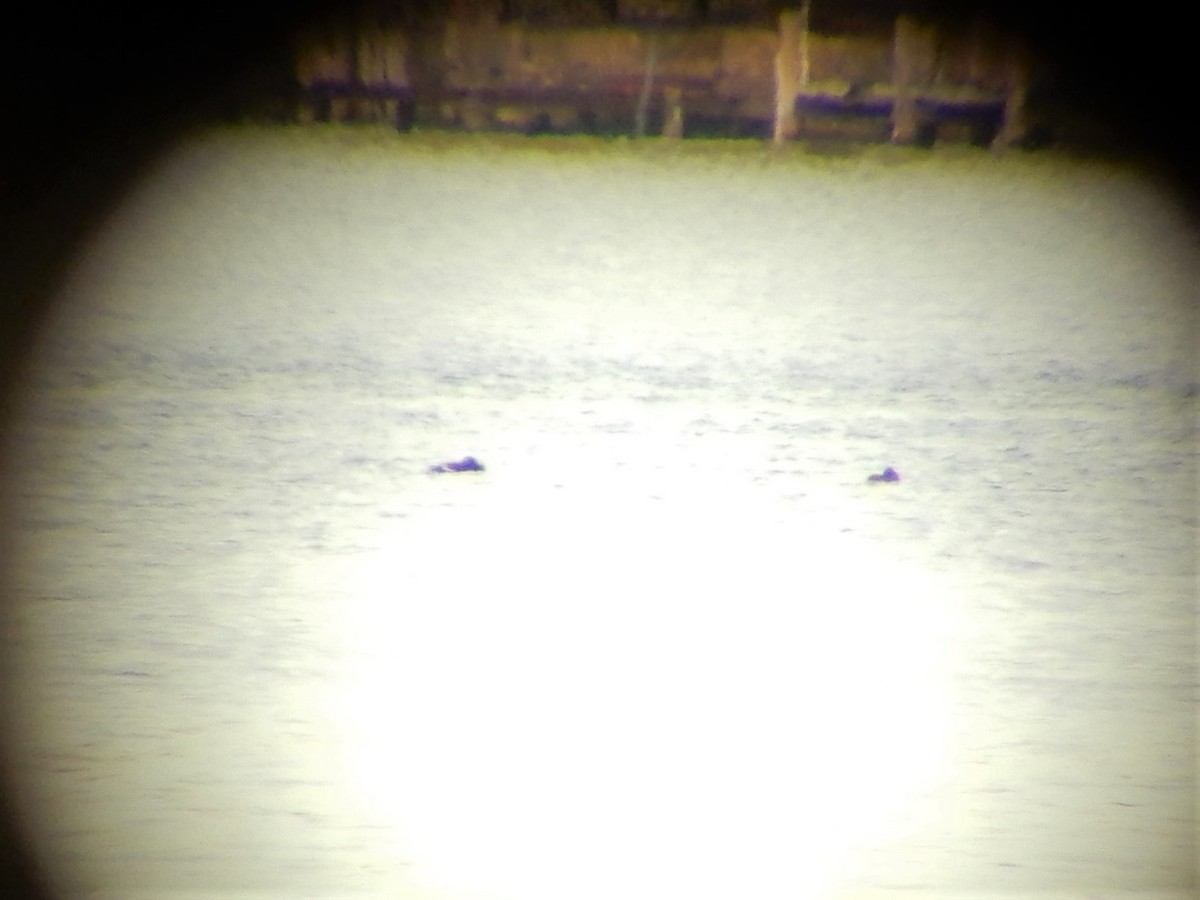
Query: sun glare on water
639, 700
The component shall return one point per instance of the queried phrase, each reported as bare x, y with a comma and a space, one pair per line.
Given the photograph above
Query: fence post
791, 71
643, 104
673, 120
1013, 127
904, 64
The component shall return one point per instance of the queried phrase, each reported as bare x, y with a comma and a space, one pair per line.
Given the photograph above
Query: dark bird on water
466, 464
888, 474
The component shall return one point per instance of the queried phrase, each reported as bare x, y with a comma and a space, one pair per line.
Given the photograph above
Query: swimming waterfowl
466, 464
888, 474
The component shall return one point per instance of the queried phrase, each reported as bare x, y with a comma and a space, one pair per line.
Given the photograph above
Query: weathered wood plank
791, 66
913, 64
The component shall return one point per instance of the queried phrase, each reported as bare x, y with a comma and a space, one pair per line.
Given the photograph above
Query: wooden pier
907, 81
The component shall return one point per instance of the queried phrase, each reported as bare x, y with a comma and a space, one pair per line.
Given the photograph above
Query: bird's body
888, 474
466, 464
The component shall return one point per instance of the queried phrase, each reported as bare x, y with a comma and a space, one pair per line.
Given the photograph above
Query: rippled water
670, 642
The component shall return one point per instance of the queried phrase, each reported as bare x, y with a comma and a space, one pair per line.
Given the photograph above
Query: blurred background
99, 95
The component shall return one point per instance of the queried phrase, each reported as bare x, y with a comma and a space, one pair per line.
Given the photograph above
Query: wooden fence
909, 81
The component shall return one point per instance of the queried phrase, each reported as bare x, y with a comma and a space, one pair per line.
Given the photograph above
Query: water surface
670, 642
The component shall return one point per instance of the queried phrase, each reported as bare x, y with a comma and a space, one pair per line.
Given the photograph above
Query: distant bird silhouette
888, 474
466, 464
